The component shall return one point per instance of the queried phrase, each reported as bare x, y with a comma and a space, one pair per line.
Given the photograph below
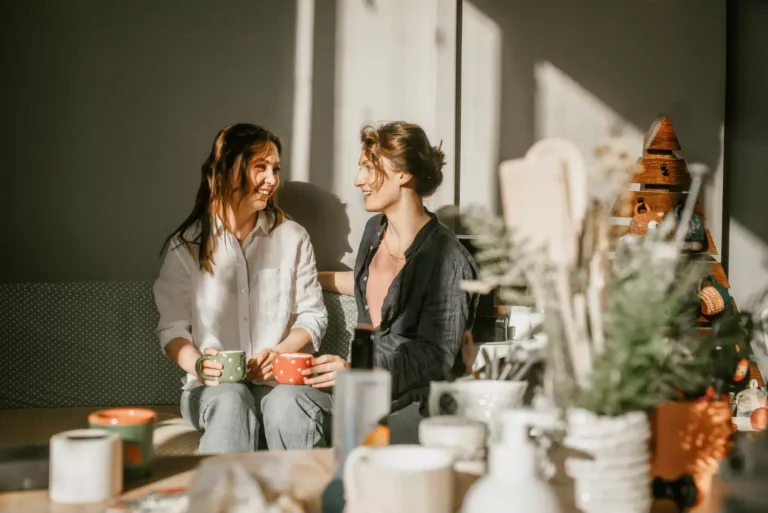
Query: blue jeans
231, 417
300, 417
228, 415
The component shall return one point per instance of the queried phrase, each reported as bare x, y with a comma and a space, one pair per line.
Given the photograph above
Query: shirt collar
421, 236
262, 224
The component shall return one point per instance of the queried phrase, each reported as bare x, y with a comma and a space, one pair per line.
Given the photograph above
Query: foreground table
306, 485
172, 472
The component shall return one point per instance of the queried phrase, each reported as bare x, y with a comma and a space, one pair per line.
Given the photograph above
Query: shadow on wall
746, 140
323, 95
746, 128
639, 57
324, 217
127, 97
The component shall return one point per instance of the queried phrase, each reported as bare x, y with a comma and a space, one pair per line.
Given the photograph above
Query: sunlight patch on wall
747, 264
481, 107
395, 60
711, 196
302, 90
566, 109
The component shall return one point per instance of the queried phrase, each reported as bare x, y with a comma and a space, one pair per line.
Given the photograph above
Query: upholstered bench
71, 348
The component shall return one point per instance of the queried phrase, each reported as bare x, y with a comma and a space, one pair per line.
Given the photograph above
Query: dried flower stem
598, 269
577, 346
698, 172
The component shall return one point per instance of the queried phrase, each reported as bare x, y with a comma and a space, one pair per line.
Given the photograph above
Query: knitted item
696, 236
713, 296
712, 302
644, 219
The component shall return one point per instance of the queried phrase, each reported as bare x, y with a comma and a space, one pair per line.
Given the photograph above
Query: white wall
585, 70
480, 100
126, 101
112, 107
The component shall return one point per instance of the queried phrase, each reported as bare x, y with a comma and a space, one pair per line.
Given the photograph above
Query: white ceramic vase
611, 462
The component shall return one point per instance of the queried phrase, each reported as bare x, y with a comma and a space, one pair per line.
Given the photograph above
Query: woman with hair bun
407, 284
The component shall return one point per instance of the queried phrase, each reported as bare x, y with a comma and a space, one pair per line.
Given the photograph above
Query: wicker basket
713, 296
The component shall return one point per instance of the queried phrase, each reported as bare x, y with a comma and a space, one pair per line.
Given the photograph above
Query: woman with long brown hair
237, 275
407, 283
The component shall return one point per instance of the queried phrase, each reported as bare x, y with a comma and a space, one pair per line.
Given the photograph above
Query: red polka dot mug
287, 367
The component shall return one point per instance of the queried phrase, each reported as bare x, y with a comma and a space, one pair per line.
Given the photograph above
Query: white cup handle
351, 466
436, 391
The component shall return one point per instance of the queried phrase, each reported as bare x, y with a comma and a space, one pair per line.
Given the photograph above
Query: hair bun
432, 181
438, 155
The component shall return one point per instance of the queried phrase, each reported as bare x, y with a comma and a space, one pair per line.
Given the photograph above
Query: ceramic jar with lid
466, 439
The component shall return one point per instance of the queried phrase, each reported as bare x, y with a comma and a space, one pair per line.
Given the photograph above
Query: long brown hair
224, 173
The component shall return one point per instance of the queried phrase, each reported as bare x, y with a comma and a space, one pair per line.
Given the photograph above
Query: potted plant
622, 331
692, 433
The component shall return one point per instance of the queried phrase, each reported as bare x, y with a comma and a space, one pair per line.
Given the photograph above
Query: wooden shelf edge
664, 201
619, 230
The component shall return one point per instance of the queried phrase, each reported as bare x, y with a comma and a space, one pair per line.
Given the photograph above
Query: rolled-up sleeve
308, 305
172, 291
430, 354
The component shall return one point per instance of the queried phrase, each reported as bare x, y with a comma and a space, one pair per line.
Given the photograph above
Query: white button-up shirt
256, 295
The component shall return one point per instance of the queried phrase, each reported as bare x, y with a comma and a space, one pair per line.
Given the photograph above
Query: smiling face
262, 181
381, 188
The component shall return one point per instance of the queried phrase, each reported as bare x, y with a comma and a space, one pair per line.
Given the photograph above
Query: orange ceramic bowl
122, 417
287, 367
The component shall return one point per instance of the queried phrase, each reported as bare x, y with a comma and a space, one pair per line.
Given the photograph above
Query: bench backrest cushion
93, 344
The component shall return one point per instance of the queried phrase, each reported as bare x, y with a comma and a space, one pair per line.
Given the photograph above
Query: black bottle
360, 357
361, 349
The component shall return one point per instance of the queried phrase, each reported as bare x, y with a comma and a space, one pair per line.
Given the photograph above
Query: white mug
399, 478
520, 321
480, 399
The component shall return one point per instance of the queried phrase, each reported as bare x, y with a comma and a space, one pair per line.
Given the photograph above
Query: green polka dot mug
233, 366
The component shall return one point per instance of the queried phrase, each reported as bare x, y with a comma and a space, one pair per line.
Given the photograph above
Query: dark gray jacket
425, 312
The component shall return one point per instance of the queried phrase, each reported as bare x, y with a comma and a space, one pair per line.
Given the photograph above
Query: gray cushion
342, 319
93, 344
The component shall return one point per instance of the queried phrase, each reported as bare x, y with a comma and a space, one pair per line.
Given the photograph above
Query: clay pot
688, 442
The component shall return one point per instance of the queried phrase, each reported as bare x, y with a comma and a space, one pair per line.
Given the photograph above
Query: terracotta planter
688, 441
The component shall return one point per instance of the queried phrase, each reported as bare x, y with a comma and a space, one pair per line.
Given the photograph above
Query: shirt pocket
275, 292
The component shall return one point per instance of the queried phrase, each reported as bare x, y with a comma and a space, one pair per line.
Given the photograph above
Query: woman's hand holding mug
260, 366
322, 374
216, 367
210, 368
